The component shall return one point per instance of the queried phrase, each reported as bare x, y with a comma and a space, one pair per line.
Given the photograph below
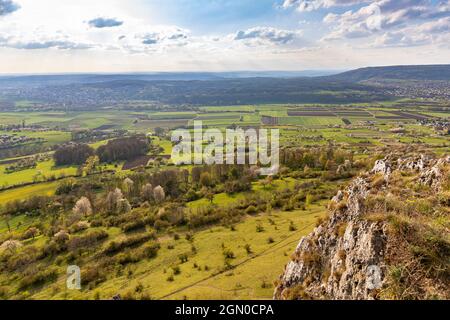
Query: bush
134, 225
86, 241
259, 228
151, 250
176, 270
251, 210
38, 278
116, 246
228, 254
92, 276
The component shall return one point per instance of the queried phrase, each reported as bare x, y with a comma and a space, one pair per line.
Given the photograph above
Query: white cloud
386, 18
260, 35
311, 5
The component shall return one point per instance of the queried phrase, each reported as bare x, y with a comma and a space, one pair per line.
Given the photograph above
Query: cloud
311, 5
37, 39
382, 16
267, 34
424, 34
104, 22
56, 44
7, 7
166, 35
401, 39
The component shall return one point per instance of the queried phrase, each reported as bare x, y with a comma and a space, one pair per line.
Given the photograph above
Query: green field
40, 189
43, 170
244, 281
222, 218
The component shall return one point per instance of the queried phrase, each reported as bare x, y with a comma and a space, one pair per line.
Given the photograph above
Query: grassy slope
243, 282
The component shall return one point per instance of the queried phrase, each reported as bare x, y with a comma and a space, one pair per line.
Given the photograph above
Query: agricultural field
181, 232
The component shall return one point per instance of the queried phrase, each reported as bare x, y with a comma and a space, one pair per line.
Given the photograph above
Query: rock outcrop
344, 258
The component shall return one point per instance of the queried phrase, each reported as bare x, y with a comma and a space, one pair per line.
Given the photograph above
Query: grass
225, 199
310, 121
43, 169
209, 280
40, 189
51, 137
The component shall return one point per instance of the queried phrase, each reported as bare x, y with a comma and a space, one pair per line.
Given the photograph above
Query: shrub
228, 254
116, 246
38, 278
292, 226
86, 241
151, 250
259, 228
134, 225
251, 210
92, 276
183, 258
176, 270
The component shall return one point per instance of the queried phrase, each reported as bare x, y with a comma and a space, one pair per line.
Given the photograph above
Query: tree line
115, 150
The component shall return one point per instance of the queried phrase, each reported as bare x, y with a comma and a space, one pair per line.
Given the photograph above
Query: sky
56, 36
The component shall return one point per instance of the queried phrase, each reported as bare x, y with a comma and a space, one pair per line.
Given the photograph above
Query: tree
116, 202
128, 185
309, 199
159, 194
83, 207
72, 154
159, 131
268, 181
31, 233
205, 179
209, 195
147, 192
124, 148
11, 245
61, 236
91, 164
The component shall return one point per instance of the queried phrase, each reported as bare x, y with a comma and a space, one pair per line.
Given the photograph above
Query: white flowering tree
82, 207
158, 194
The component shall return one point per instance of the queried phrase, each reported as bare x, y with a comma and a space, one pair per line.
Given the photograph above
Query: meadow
235, 257
203, 275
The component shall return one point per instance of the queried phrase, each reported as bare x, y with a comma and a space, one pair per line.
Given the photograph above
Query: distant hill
66, 79
94, 91
425, 72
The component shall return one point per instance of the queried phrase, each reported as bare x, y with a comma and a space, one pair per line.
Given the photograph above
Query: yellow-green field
250, 278
43, 170
40, 189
